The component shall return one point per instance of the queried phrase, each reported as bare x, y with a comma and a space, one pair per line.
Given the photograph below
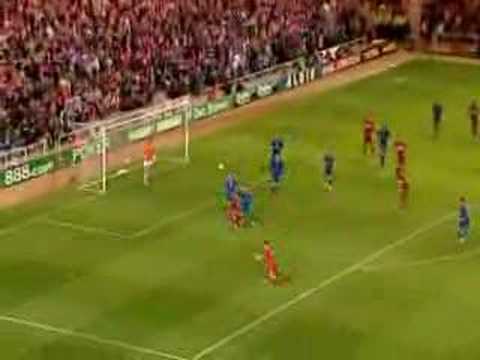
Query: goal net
115, 149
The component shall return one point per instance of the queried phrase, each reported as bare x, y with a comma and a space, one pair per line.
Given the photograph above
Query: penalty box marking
157, 225
423, 262
90, 338
324, 284
362, 264
30, 221
83, 228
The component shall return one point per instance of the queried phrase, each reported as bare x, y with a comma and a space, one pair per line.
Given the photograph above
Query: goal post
117, 146
186, 131
103, 155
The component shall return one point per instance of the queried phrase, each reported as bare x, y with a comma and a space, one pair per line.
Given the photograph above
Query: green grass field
156, 273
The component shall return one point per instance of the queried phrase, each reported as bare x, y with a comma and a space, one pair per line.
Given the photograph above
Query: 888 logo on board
17, 175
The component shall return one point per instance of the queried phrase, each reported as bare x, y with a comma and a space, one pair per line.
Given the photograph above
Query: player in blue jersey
231, 187
328, 171
437, 113
277, 168
463, 221
383, 135
277, 146
474, 114
246, 203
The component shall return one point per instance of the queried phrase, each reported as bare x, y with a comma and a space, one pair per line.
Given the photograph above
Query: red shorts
368, 139
234, 215
403, 188
272, 270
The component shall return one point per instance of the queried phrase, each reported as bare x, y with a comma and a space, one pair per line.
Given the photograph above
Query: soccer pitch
157, 273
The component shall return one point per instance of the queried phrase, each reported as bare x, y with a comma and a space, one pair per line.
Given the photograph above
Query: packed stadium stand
66, 63
454, 17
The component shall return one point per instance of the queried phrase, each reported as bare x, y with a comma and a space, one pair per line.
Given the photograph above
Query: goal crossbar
111, 137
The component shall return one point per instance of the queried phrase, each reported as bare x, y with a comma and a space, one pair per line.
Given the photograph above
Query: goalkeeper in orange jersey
369, 135
148, 160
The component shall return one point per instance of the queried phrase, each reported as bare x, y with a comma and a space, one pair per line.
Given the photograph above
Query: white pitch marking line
83, 228
39, 217
423, 262
90, 337
171, 219
309, 292
14, 228
182, 215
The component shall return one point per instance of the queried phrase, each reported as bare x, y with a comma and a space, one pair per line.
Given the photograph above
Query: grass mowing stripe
83, 228
325, 283
90, 337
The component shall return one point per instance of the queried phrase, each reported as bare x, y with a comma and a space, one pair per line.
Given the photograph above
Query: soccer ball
221, 166
257, 257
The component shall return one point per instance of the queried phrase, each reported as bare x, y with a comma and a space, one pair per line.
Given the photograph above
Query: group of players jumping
239, 206
375, 141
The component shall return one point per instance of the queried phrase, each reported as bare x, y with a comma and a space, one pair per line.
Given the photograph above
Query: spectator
65, 63
458, 18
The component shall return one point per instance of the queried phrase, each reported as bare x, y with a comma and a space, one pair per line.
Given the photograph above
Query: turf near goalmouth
156, 273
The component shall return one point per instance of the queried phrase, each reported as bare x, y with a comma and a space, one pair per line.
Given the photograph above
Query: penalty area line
324, 284
37, 218
423, 262
172, 219
90, 337
83, 228
187, 213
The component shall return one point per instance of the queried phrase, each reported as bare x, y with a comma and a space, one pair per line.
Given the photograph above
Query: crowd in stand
459, 18
64, 63
390, 20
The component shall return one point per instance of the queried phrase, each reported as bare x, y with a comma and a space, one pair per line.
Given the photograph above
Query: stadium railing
460, 44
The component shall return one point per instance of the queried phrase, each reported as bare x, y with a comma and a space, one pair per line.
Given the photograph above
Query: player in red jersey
148, 160
234, 212
401, 150
271, 267
403, 186
369, 136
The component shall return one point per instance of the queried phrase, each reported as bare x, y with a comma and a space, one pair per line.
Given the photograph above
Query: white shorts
148, 163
